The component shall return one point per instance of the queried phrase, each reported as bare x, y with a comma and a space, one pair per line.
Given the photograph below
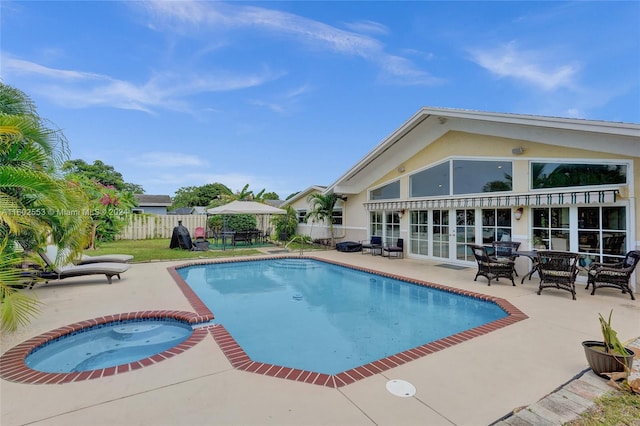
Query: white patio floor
473, 383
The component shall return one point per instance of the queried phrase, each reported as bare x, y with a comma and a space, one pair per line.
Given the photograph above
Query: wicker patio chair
505, 249
558, 269
615, 275
492, 267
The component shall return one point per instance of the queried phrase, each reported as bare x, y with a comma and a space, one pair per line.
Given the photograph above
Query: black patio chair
614, 275
492, 267
373, 246
558, 269
394, 251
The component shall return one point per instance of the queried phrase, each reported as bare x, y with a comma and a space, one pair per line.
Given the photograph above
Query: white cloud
370, 27
284, 101
186, 16
21, 67
533, 67
78, 89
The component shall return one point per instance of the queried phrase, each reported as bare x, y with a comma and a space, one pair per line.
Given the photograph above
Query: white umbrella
244, 207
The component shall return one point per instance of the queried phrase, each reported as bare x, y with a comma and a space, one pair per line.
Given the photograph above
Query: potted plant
610, 355
538, 243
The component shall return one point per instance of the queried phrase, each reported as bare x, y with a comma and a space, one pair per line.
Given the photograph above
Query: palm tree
34, 203
322, 206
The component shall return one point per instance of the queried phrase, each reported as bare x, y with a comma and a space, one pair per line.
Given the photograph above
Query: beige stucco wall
460, 145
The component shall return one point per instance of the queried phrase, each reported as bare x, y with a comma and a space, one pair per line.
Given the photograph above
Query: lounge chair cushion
115, 258
52, 253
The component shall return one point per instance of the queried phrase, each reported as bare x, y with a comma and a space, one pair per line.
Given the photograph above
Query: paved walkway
475, 382
568, 401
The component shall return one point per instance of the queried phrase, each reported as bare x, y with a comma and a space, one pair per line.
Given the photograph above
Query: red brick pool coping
241, 361
14, 369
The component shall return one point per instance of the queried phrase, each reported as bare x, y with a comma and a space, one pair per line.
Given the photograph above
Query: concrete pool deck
475, 382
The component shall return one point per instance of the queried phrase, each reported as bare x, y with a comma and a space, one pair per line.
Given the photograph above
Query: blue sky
285, 95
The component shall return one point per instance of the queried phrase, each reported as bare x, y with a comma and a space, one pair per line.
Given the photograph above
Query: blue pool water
312, 315
108, 345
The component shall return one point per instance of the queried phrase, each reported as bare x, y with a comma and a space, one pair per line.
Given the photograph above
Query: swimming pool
311, 315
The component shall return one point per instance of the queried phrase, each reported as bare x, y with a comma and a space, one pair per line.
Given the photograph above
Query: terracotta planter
602, 362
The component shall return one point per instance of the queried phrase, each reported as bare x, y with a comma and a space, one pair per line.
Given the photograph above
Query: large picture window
556, 175
468, 177
472, 176
386, 192
431, 182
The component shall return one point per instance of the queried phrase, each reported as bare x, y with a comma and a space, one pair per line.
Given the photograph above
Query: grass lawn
612, 409
149, 250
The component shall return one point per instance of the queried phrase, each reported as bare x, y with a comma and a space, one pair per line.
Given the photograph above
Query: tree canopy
102, 173
35, 204
322, 209
191, 196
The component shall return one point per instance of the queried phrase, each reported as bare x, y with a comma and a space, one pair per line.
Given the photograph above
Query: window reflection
387, 192
496, 225
472, 177
555, 175
433, 181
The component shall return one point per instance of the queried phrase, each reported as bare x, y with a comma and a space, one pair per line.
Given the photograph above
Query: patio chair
374, 245
506, 249
492, 267
394, 251
614, 275
53, 271
199, 233
558, 269
200, 243
241, 237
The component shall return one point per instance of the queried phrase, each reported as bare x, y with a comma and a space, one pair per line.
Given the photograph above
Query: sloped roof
199, 209
621, 138
303, 194
153, 200
274, 203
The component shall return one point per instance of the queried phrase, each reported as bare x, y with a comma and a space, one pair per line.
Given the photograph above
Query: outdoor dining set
556, 269
250, 237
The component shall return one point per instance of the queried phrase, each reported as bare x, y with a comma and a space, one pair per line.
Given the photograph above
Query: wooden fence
147, 226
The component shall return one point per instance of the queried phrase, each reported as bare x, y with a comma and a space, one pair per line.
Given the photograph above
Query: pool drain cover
401, 388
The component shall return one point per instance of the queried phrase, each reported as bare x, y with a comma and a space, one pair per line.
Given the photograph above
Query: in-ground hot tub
102, 347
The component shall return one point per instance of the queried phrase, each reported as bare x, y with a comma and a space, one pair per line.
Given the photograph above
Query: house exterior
448, 177
153, 204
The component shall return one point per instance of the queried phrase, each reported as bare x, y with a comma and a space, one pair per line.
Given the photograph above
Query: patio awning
511, 200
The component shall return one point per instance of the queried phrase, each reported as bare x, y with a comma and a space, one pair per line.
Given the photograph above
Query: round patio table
531, 254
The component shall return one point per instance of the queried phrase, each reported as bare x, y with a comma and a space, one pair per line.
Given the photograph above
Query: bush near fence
150, 226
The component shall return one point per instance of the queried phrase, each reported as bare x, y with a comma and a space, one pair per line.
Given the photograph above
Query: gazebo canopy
245, 207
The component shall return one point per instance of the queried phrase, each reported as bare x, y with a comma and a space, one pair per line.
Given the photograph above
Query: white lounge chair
86, 259
54, 271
